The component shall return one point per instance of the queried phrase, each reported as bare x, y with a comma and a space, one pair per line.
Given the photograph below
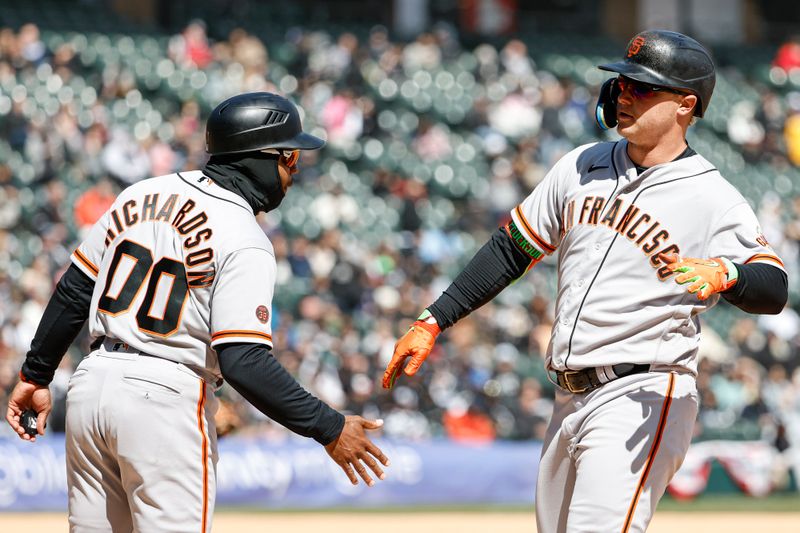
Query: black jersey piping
187, 182
600, 266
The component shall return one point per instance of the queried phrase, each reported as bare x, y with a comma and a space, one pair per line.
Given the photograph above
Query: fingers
349, 471
418, 356
704, 293
13, 415
378, 453
371, 424
670, 258
390, 376
41, 422
697, 285
355, 453
416, 361
355, 466
370, 447
368, 453
686, 277
362, 471
373, 465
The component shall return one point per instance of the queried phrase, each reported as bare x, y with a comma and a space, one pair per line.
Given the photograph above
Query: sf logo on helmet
635, 46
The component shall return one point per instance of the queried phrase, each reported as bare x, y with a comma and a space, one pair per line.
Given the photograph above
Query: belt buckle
573, 388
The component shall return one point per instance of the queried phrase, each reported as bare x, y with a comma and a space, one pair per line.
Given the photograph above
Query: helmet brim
303, 141
635, 72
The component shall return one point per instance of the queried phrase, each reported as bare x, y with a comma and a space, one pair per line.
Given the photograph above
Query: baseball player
177, 280
649, 236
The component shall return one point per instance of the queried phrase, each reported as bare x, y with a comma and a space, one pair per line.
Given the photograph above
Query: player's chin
626, 127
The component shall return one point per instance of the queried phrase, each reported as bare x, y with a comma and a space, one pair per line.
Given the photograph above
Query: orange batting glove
417, 343
705, 276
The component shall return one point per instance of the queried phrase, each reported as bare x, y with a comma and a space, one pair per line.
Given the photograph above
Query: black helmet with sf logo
663, 58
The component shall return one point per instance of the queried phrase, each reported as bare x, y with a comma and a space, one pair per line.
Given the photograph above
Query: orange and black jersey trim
765, 258
241, 333
82, 259
534, 237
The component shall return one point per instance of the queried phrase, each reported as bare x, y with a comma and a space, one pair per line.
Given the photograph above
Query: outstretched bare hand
352, 449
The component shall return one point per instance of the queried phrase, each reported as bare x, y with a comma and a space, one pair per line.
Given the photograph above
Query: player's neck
651, 155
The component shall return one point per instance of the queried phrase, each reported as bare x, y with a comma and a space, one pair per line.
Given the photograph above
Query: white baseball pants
141, 445
609, 455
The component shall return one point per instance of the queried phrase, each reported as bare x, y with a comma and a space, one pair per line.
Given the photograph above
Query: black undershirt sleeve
492, 269
61, 322
761, 289
259, 377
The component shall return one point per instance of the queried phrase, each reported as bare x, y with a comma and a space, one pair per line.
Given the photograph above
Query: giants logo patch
636, 46
262, 314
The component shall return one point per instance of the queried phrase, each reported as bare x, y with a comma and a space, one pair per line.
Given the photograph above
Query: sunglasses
288, 157
644, 90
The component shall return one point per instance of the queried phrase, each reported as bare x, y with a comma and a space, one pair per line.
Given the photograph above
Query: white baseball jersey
617, 303
180, 265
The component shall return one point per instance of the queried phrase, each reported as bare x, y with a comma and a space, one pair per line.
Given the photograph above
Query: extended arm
493, 268
503, 259
261, 379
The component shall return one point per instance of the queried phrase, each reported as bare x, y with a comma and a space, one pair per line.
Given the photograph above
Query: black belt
588, 379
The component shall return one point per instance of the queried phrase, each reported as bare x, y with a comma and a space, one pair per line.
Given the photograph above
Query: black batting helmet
251, 122
669, 59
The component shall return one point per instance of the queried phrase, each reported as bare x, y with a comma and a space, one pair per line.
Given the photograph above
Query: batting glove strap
732, 274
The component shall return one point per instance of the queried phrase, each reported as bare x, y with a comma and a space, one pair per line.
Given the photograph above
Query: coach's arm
63, 318
255, 374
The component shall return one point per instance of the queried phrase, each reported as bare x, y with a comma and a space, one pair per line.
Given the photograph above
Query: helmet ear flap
606, 109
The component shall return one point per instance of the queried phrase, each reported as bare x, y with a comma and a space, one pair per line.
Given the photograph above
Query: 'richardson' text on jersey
187, 224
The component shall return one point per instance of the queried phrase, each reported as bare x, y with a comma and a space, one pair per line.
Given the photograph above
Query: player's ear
687, 105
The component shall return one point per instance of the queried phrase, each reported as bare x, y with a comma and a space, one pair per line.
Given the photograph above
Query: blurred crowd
430, 145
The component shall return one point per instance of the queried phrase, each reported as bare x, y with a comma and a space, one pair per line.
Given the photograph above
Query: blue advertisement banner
299, 474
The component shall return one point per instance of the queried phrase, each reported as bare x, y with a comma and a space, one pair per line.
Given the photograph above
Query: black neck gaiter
253, 176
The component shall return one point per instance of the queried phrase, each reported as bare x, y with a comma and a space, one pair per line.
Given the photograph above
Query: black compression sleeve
63, 319
761, 289
494, 267
261, 379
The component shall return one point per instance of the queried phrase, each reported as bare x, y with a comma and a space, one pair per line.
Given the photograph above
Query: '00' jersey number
119, 301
